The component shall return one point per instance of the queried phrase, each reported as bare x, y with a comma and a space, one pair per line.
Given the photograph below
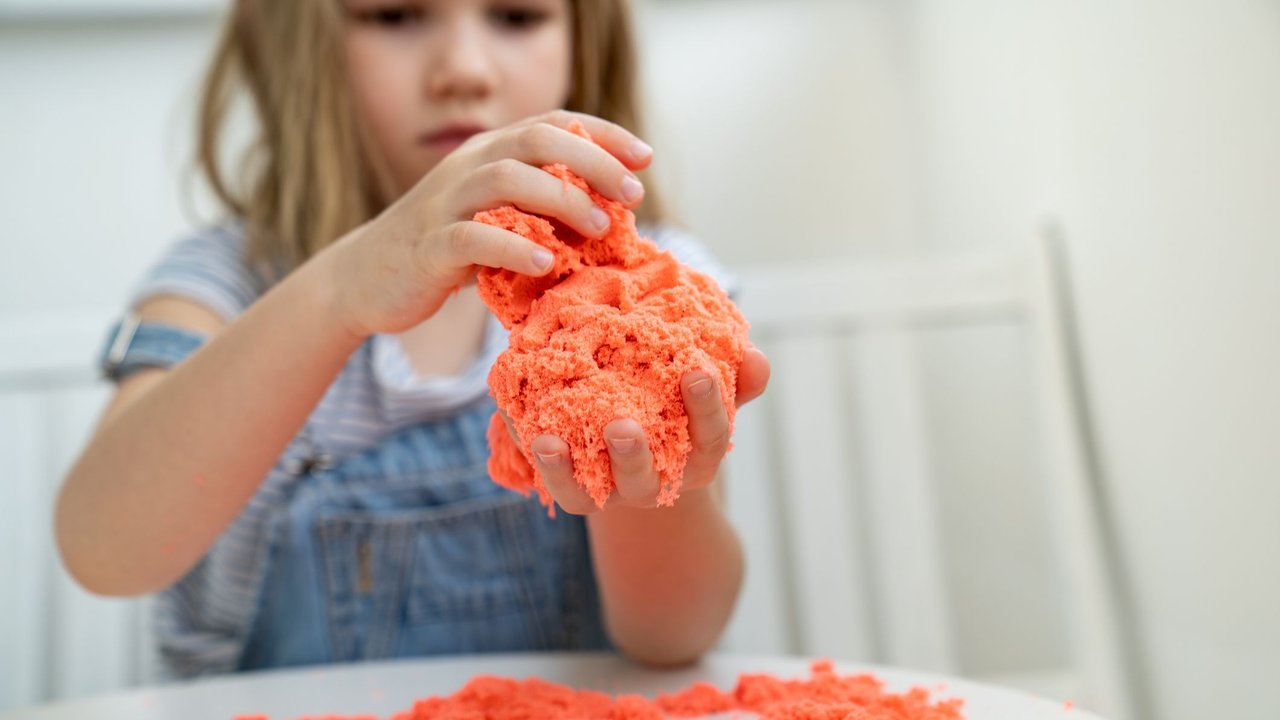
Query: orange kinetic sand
607, 334
825, 696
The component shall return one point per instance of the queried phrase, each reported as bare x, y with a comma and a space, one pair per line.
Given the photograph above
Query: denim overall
406, 549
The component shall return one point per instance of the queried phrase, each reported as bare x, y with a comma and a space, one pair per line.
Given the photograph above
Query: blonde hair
308, 176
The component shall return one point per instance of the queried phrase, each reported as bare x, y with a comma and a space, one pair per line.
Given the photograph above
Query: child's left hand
632, 465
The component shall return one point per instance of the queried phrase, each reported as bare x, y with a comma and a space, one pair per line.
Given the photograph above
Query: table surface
383, 688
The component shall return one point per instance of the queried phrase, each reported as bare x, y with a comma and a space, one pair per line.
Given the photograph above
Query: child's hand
396, 270
632, 465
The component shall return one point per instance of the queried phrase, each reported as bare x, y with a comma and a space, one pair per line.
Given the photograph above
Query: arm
179, 453
669, 577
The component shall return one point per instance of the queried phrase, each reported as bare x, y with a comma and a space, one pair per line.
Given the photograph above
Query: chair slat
107, 625
828, 550
912, 605
764, 620
1109, 674
884, 290
24, 611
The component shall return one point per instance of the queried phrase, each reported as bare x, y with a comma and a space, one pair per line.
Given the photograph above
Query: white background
810, 129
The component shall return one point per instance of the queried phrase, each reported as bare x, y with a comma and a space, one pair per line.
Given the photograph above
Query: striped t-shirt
378, 392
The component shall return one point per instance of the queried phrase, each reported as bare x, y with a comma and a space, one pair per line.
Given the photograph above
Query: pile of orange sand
825, 696
607, 334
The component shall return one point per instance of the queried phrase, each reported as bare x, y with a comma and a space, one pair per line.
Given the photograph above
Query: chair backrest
56, 640
831, 478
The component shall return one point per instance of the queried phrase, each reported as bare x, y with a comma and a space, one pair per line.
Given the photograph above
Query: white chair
831, 479
56, 640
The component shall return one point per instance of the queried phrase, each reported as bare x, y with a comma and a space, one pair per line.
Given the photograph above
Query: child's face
428, 73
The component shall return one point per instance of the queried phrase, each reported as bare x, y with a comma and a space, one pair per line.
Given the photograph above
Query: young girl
295, 454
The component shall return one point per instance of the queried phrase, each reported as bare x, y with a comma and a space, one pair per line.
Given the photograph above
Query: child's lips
451, 135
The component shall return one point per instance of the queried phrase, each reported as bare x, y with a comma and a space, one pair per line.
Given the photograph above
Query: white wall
783, 127
1152, 131
93, 119
93, 132
792, 131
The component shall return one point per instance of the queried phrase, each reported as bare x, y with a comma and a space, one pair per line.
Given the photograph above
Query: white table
382, 688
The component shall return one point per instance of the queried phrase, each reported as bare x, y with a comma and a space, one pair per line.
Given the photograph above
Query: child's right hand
396, 270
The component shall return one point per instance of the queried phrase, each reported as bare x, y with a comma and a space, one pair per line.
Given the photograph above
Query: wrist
695, 505
322, 280
327, 284
668, 576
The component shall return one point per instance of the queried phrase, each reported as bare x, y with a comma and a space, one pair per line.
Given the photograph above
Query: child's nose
462, 64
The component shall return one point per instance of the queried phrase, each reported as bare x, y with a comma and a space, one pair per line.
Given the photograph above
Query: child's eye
391, 16
516, 17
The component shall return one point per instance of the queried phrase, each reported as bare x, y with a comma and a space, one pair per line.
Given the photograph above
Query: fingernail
542, 259
599, 219
632, 190
700, 388
622, 445
548, 459
640, 150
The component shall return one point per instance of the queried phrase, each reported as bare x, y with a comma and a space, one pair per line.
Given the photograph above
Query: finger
544, 143
468, 243
631, 462
617, 140
551, 455
533, 190
753, 376
708, 426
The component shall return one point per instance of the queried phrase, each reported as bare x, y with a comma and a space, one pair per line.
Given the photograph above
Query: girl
294, 456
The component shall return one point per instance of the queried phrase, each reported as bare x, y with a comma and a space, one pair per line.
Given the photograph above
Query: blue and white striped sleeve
208, 268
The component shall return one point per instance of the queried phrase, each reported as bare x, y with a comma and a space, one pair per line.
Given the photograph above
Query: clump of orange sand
825, 696
607, 334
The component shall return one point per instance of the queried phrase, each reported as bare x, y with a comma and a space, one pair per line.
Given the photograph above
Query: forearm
164, 477
669, 577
